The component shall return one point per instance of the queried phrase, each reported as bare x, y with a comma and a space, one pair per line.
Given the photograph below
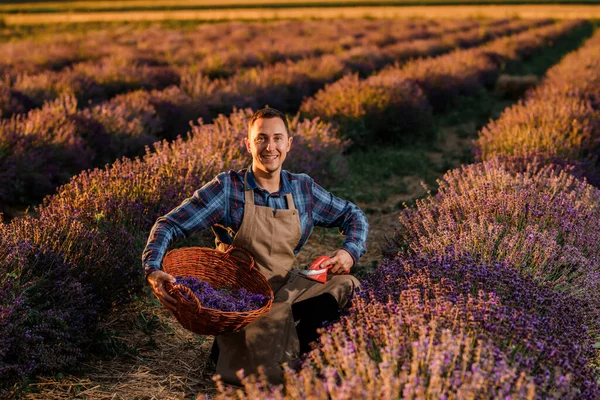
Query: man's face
269, 143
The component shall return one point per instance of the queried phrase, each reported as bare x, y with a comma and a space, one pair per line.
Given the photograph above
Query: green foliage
376, 173
477, 109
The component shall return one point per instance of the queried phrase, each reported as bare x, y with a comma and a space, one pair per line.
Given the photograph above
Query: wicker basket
218, 269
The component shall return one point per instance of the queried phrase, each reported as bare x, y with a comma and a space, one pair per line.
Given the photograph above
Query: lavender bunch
224, 298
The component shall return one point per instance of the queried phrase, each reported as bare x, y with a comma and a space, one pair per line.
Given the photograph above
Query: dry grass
466, 11
165, 362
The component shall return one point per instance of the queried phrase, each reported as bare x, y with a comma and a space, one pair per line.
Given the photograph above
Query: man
271, 213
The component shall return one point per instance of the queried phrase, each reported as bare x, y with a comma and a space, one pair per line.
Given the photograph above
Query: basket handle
175, 291
228, 253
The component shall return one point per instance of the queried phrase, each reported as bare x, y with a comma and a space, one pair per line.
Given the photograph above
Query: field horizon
560, 11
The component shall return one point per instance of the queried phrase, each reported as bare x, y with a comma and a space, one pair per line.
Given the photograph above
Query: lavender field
485, 284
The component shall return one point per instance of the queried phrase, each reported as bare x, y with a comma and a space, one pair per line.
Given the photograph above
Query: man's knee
345, 287
355, 283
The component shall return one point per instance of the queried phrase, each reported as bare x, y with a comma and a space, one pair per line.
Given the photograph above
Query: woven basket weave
219, 269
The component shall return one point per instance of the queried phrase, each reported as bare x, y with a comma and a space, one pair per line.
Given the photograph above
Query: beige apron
271, 236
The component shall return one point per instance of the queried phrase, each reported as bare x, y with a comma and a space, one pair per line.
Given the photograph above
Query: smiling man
271, 213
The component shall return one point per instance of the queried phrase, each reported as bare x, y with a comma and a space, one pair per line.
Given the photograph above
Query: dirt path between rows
161, 360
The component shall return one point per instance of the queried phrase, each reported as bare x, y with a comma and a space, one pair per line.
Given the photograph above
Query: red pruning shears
314, 271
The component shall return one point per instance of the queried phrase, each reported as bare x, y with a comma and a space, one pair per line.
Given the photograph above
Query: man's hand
341, 262
157, 280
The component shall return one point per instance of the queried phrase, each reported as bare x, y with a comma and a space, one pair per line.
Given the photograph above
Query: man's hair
267, 113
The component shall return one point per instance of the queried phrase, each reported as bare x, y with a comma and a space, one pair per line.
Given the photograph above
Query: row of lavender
397, 103
98, 65
231, 45
557, 124
491, 289
47, 146
80, 256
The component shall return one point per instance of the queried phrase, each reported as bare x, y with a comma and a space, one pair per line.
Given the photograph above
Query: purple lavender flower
223, 298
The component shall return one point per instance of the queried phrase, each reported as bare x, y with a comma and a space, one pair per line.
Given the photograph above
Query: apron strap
248, 193
249, 207
290, 201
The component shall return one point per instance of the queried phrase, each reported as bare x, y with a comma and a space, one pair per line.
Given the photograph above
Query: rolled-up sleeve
205, 208
330, 211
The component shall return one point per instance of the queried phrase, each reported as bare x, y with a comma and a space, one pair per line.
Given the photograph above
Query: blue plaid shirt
220, 204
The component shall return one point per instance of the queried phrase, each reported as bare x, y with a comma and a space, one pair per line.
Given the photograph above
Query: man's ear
247, 142
289, 146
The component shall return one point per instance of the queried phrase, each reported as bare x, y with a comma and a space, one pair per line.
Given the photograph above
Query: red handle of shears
316, 264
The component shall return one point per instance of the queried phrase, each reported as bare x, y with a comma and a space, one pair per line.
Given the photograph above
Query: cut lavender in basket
224, 299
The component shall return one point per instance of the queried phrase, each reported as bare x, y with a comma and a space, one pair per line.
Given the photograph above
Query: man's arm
205, 208
330, 211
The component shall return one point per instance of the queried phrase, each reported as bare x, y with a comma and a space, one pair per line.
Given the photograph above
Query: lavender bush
37, 151
99, 253
578, 71
46, 311
447, 326
13, 102
443, 79
542, 221
130, 121
532, 322
413, 348
376, 109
